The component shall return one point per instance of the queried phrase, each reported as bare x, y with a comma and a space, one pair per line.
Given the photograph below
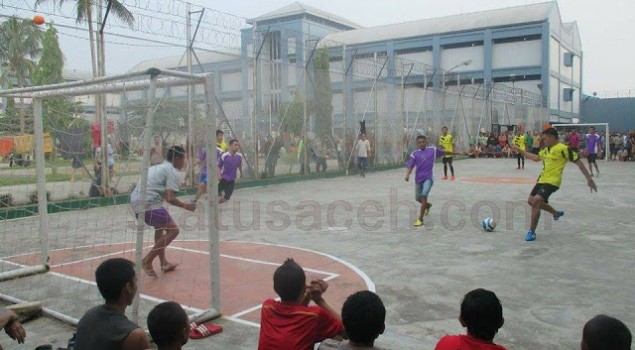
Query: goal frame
606, 132
149, 80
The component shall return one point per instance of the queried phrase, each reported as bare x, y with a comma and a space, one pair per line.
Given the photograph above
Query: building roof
179, 61
449, 24
297, 8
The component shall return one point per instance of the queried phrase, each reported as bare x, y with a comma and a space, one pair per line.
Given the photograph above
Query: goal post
31, 260
583, 127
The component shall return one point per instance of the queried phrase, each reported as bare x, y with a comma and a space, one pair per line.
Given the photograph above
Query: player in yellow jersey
520, 142
554, 157
447, 142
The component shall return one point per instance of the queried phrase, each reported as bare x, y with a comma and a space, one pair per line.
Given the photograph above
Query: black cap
551, 131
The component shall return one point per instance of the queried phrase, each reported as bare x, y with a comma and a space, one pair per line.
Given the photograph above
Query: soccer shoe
418, 223
452, 178
427, 211
557, 215
530, 236
444, 178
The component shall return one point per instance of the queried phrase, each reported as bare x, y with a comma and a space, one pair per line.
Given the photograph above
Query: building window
291, 45
568, 94
568, 59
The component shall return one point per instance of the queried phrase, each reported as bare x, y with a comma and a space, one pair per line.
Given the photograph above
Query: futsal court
357, 233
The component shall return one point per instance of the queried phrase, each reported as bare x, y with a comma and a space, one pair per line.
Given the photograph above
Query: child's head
482, 314
363, 315
168, 324
605, 333
289, 281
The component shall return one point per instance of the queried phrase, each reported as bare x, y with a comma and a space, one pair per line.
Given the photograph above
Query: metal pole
40, 166
212, 200
305, 149
190, 97
254, 114
143, 189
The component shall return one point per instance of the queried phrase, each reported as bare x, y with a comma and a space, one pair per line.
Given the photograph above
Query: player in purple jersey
423, 159
593, 147
229, 164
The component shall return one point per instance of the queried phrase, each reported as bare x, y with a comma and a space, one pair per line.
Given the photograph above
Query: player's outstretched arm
589, 179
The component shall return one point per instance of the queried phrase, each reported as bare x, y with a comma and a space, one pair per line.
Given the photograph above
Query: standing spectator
169, 326
363, 315
574, 141
156, 151
106, 327
482, 315
502, 139
362, 149
603, 332
290, 324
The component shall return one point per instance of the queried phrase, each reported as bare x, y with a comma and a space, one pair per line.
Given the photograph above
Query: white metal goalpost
603, 125
149, 80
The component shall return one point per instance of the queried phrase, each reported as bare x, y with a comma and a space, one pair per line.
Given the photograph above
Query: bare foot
147, 268
169, 267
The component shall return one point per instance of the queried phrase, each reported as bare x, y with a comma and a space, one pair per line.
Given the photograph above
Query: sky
605, 29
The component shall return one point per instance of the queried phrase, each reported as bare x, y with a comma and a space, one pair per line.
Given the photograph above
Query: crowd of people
299, 320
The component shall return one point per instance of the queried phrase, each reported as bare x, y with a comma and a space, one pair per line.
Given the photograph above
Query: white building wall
555, 92
564, 70
338, 103
453, 57
577, 70
517, 54
230, 81
554, 54
419, 57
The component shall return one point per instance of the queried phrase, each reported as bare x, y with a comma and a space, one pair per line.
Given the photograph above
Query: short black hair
232, 141
363, 315
219, 132
551, 131
482, 313
175, 152
420, 137
111, 277
166, 322
604, 332
289, 280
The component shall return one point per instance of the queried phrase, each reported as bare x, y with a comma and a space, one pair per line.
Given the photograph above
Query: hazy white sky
605, 28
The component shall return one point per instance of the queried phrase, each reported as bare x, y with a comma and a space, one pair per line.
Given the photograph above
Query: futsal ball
38, 19
488, 224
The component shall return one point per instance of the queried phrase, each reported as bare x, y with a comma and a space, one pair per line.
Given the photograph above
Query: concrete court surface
578, 267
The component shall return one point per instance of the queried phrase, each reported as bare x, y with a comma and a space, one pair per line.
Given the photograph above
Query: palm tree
20, 45
84, 10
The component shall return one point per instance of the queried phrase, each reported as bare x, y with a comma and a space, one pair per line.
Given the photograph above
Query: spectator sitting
507, 151
605, 333
363, 315
291, 324
13, 327
482, 314
106, 327
169, 326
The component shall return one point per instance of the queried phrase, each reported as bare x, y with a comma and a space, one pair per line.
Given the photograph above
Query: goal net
583, 130
72, 154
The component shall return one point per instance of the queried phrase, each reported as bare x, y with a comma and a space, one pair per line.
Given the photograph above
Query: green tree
322, 105
58, 112
294, 120
19, 48
84, 10
170, 118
